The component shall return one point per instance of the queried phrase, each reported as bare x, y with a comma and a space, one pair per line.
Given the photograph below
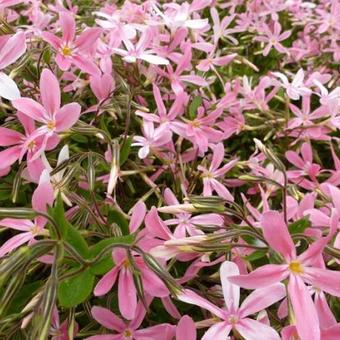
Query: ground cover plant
170, 169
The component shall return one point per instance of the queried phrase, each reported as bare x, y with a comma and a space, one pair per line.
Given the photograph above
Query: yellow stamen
195, 123
233, 319
50, 125
295, 267
66, 51
127, 333
32, 145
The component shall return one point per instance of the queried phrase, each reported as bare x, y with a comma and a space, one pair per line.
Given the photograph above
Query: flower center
233, 319
127, 333
35, 230
195, 123
32, 145
295, 267
66, 51
51, 124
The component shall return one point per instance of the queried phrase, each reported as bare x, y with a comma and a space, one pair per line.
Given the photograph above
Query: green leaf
79, 138
75, 290
299, 226
125, 150
194, 105
102, 266
99, 246
58, 214
75, 239
106, 263
256, 255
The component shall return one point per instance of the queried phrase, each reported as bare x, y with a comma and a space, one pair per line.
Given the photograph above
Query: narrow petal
17, 224
49, 91
8, 88
231, 292
30, 108
307, 322
14, 48
161, 332
219, 331
331, 333
324, 279
186, 329
106, 282
67, 116
43, 195
262, 298
325, 314
276, 233
188, 296
127, 295
156, 226
218, 156
9, 156
137, 217
9, 137
86, 65
254, 330
107, 319
261, 277
15, 242
69, 26
87, 39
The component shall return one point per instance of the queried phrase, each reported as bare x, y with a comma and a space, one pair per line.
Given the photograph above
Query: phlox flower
273, 38
20, 144
178, 15
42, 197
299, 269
127, 292
233, 316
129, 330
304, 117
200, 131
153, 138
212, 175
72, 50
53, 118
305, 165
186, 223
140, 51
296, 88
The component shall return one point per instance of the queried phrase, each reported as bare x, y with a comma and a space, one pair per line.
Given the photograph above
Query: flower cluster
170, 170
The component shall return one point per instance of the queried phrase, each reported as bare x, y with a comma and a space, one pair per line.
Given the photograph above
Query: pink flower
176, 78
304, 116
139, 51
154, 138
127, 292
273, 38
306, 166
42, 197
234, 316
73, 50
21, 144
54, 119
185, 222
200, 130
186, 329
213, 173
129, 330
300, 269
296, 88
11, 49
